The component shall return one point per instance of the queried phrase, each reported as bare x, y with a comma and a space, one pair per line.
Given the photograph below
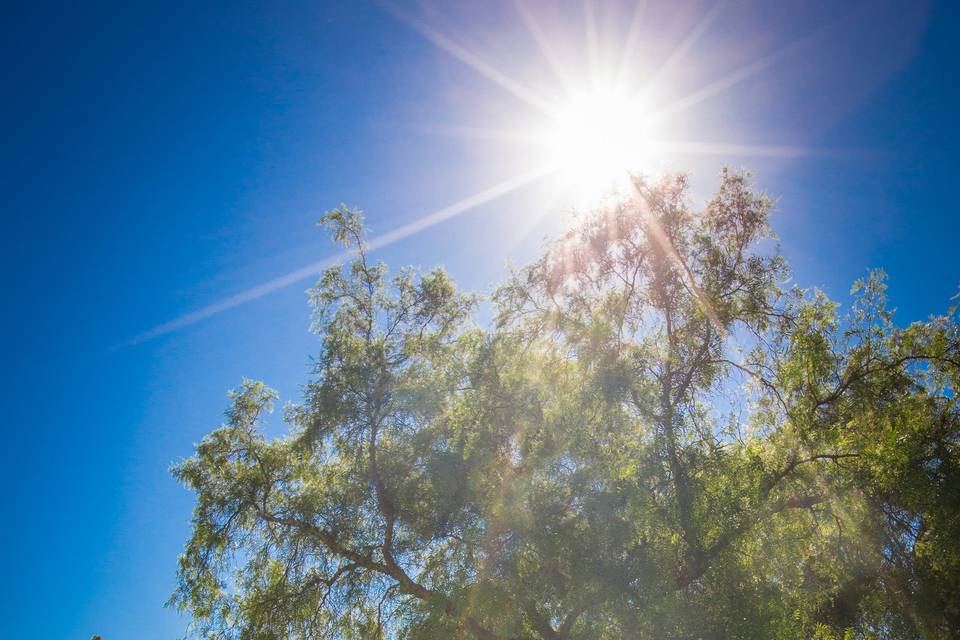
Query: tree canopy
655, 437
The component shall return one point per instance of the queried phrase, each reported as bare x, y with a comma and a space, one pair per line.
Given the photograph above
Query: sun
598, 139
606, 111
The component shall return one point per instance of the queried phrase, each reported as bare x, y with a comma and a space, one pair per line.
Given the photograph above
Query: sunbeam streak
746, 72
593, 42
377, 242
745, 150
475, 62
721, 85
684, 47
630, 45
687, 278
546, 47
480, 133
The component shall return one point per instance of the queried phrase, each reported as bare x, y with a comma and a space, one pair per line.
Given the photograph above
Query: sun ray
592, 40
630, 44
661, 238
479, 133
525, 226
424, 222
716, 87
475, 62
744, 150
461, 206
546, 47
747, 71
684, 47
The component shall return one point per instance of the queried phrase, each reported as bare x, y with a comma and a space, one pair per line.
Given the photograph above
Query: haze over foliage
655, 438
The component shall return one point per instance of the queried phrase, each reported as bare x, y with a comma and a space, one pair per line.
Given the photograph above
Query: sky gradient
163, 160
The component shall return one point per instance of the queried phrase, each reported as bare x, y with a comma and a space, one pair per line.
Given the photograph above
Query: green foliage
654, 440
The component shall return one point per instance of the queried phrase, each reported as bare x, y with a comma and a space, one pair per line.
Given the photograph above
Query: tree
654, 439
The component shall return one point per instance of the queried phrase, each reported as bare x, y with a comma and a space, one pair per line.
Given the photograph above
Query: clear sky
171, 158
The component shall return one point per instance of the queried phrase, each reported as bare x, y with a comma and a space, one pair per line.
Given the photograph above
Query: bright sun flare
588, 146
597, 140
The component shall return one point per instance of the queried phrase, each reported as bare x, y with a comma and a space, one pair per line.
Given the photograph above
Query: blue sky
162, 158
